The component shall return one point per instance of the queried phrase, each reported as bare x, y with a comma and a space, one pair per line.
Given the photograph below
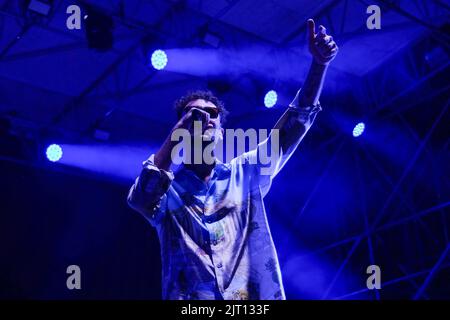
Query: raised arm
296, 121
323, 50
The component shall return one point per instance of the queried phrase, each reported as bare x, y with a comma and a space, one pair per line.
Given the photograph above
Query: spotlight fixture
41, 7
54, 152
270, 99
359, 129
159, 59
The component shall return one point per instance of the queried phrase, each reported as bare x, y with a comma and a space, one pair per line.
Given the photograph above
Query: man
210, 218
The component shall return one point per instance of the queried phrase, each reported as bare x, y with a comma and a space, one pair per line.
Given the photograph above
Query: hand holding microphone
194, 114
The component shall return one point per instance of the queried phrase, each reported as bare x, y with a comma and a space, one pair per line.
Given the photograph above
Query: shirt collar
220, 171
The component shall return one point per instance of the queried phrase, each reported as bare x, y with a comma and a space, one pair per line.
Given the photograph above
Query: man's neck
202, 171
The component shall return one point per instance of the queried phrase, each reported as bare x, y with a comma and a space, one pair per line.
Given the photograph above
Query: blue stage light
270, 99
54, 153
359, 129
159, 59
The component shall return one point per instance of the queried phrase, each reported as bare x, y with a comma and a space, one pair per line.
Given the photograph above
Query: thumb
311, 29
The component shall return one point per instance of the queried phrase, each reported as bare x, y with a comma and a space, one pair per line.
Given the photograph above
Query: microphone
196, 115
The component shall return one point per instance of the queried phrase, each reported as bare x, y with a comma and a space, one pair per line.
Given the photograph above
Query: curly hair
206, 95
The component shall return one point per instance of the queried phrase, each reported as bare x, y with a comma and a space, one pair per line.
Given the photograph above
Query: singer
210, 217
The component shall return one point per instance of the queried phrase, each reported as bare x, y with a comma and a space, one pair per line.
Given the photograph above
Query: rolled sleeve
306, 114
148, 193
292, 126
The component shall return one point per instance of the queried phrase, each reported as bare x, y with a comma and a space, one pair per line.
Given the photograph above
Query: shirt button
219, 265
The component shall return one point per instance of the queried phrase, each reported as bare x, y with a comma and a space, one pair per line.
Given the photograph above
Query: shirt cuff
149, 164
306, 114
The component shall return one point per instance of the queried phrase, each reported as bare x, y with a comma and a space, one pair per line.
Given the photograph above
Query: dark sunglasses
213, 112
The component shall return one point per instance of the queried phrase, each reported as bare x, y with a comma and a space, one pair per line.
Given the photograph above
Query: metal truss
374, 228
383, 106
177, 30
174, 24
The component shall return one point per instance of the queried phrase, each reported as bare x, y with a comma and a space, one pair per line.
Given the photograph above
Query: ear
221, 133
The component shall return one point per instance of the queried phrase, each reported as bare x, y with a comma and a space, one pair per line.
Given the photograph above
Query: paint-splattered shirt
215, 238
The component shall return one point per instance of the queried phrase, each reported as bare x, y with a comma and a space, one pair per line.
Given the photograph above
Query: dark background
340, 204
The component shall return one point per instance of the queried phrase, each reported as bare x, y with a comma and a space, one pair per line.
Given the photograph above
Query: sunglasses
213, 112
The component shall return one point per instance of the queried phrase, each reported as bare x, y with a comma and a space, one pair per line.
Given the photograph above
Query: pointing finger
311, 29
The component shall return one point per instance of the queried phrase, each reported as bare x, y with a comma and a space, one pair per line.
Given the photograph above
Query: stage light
54, 152
99, 30
159, 59
270, 99
359, 129
40, 7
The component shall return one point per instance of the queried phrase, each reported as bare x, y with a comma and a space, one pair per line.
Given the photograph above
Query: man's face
213, 125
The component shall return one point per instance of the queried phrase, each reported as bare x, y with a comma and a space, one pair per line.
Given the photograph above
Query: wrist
318, 64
